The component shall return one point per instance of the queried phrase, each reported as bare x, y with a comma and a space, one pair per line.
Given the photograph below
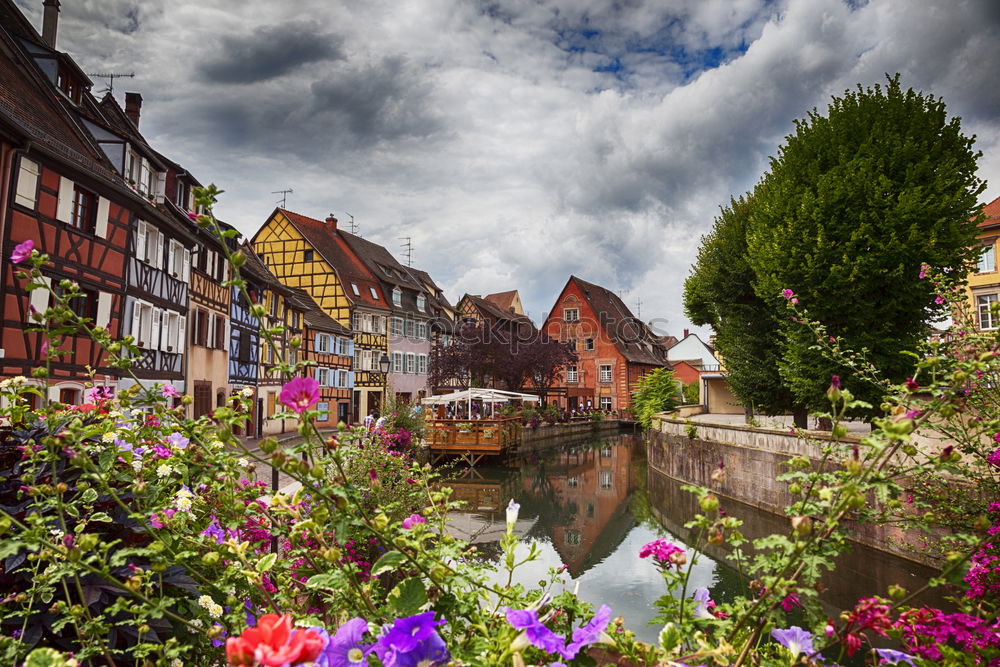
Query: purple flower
589, 633
215, 530
343, 649
412, 520
795, 639
535, 631
703, 604
412, 641
300, 394
22, 251
893, 657
177, 440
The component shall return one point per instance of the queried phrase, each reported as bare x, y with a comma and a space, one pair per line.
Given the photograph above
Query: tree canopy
854, 203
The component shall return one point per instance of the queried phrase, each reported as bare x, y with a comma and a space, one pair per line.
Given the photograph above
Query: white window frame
396, 324
411, 362
354, 288
421, 302
987, 318
571, 314
397, 297
422, 364
322, 377
572, 375
409, 328
343, 379
604, 402
987, 260
374, 293
606, 372
607, 480
422, 330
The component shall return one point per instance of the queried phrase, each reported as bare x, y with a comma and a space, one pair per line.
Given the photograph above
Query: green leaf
324, 580
670, 637
9, 548
388, 561
408, 596
267, 562
88, 496
100, 516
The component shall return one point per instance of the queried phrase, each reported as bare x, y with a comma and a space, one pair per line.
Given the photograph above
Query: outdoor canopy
484, 395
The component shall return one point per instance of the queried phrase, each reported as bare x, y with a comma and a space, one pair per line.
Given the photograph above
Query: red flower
273, 643
300, 394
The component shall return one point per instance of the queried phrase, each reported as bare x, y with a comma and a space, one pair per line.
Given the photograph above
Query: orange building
614, 347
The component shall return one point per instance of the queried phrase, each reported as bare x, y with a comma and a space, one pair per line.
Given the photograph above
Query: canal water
592, 505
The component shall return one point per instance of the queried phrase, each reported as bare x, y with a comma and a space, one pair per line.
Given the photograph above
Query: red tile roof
992, 213
350, 269
503, 300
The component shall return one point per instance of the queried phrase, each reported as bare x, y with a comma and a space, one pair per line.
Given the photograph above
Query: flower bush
133, 535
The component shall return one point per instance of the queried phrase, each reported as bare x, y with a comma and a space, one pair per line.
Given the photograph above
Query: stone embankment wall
753, 458
554, 435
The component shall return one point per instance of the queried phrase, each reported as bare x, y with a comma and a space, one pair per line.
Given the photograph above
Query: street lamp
383, 365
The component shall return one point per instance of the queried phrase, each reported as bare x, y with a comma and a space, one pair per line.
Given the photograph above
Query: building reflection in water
591, 506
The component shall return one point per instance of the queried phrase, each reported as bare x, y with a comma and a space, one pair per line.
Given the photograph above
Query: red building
614, 347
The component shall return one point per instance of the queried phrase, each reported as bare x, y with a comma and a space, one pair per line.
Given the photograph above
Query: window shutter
158, 258
64, 207
187, 265
210, 336
225, 333
136, 319
163, 334
101, 224
181, 334
140, 239
154, 342
172, 257
53, 393
350, 379
27, 184
39, 298
350, 348
103, 309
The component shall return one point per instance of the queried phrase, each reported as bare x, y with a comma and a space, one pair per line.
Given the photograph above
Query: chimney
50, 22
686, 333
331, 222
133, 104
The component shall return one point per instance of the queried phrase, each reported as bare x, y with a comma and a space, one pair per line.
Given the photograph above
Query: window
422, 330
397, 326
411, 362
323, 377
409, 328
397, 297
323, 407
573, 538
606, 373
69, 396
605, 403
343, 379
571, 344
179, 261
354, 288
588, 344
82, 306
606, 452
374, 293
606, 479
322, 343
379, 323
571, 314
149, 242
421, 302
422, 364
307, 255
397, 362
571, 375
356, 365
274, 304
987, 260
84, 209
295, 319
183, 196
572, 482
987, 314
343, 347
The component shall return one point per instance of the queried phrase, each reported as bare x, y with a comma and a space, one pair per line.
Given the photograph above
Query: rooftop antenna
111, 76
408, 249
354, 227
284, 195
638, 307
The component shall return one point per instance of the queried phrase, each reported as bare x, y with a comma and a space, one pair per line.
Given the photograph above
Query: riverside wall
554, 435
753, 458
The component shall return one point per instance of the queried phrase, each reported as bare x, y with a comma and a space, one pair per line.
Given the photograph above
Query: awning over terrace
483, 395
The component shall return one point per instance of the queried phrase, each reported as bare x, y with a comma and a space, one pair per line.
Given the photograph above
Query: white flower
4, 384
184, 493
196, 622
110, 436
205, 601
512, 510
176, 662
215, 610
247, 392
137, 464
164, 470
184, 504
216, 444
242, 462
20, 379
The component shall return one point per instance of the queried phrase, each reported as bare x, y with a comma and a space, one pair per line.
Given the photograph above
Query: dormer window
183, 197
421, 302
68, 84
397, 297
354, 287
374, 293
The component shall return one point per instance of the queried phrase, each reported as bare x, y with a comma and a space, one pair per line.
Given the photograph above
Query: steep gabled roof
350, 269
490, 310
314, 316
504, 300
631, 336
992, 213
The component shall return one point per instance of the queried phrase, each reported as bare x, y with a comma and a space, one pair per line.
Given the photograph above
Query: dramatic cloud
516, 142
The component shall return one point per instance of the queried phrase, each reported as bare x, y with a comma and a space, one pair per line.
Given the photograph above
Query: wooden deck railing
473, 436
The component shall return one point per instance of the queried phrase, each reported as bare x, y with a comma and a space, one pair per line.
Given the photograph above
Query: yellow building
984, 284
315, 256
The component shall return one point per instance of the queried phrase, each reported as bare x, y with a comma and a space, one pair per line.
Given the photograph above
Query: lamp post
383, 365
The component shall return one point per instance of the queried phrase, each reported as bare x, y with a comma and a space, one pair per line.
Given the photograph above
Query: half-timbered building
314, 256
62, 191
329, 346
442, 321
244, 333
615, 349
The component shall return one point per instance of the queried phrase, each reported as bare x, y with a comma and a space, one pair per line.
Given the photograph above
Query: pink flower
994, 458
924, 268
790, 601
996, 437
939, 299
412, 520
912, 384
300, 394
169, 391
22, 251
787, 293
663, 552
794, 300
194, 216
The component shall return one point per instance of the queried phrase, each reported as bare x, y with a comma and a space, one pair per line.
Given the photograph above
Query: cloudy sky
517, 142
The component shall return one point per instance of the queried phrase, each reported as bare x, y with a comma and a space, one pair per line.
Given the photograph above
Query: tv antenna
284, 195
111, 76
408, 249
638, 307
354, 226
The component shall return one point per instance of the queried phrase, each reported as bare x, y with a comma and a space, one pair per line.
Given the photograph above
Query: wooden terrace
472, 439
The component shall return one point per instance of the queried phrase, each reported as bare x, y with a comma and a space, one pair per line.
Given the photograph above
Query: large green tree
855, 201
719, 293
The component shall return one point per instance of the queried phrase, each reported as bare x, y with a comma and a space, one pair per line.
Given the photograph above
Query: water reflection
592, 505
